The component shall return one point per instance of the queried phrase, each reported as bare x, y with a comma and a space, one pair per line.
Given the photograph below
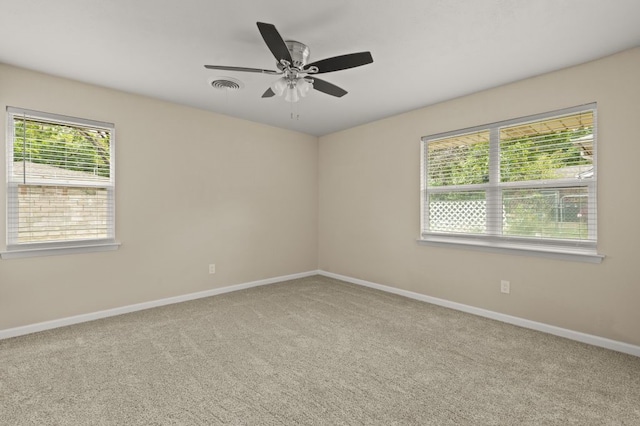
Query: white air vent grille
226, 83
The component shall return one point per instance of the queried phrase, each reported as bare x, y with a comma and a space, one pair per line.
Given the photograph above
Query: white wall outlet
505, 286
212, 268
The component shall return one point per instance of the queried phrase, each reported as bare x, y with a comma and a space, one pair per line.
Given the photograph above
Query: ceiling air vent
226, 83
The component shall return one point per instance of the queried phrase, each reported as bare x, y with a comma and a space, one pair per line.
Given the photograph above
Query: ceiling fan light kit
298, 77
292, 88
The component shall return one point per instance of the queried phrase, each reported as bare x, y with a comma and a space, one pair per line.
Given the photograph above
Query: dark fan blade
269, 93
274, 41
342, 62
243, 69
328, 88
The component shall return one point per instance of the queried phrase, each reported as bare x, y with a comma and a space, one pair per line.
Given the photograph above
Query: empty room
343, 212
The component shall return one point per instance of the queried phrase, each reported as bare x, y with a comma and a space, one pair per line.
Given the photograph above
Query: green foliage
550, 212
459, 165
458, 196
539, 157
62, 146
521, 159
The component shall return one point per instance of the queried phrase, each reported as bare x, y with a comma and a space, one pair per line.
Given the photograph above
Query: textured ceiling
425, 51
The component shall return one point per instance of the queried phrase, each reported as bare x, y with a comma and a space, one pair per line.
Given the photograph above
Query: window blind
530, 181
60, 179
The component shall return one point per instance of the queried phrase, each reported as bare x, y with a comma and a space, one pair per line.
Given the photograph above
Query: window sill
19, 253
559, 253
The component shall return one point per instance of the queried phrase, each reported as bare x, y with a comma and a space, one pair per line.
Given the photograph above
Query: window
524, 184
60, 184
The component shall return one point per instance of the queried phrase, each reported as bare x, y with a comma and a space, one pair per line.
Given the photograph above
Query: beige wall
193, 188
369, 206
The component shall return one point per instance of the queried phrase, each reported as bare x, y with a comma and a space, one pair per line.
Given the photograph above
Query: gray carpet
311, 351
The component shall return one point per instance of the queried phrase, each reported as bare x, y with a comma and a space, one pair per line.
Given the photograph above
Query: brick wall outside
53, 213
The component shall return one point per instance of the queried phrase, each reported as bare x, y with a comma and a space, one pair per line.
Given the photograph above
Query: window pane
50, 151
547, 213
60, 186
526, 184
556, 148
458, 212
52, 213
459, 160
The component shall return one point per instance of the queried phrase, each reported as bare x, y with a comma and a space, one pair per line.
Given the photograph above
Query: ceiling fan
298, 76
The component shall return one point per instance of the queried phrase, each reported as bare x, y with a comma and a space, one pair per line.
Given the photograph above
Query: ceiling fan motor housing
299, 53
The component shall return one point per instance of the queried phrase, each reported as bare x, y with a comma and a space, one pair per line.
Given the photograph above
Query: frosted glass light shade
303, 86
279, 86
291, 94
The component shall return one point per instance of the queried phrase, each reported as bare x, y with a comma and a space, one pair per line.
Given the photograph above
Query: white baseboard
521, 322
47, 325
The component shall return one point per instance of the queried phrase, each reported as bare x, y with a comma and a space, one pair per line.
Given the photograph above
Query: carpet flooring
312, 351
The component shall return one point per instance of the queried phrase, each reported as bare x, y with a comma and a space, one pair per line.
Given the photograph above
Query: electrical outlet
212, 268
505, 286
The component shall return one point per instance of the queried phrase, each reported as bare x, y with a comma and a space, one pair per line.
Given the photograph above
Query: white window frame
14, 249
492, 240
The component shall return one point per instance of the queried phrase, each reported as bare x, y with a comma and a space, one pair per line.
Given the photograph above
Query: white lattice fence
458, 216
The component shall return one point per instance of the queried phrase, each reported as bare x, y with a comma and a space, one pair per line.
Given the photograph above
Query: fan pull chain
295, 114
